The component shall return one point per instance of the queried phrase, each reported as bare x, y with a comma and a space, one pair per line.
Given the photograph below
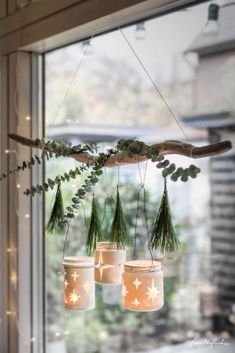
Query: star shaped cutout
101, 266
66, 283
137, 283
86, 286
74, 297
136, 302
152, 292
124, 290
75, 275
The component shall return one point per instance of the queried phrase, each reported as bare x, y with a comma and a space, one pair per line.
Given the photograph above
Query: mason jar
142, 287
109, 263
79, 284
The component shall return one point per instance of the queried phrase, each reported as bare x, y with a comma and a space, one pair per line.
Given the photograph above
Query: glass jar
142, 287
109, 263
79, 284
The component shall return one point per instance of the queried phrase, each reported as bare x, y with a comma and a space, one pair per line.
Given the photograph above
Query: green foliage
139, 147
94, 233
61, 149
25, 165
86, 187
184, 174
163, 234
56, 223
119, 232
88, 184
51, 183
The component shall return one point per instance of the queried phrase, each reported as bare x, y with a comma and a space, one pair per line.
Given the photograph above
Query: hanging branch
121, 158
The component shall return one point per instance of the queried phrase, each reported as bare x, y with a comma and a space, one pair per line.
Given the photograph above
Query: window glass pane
110, 97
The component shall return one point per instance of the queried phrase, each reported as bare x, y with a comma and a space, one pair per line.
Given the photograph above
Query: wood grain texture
3, 9
42, 27
164, 148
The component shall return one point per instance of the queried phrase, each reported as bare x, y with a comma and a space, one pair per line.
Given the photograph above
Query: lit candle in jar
79, 284
142, 288
109, 263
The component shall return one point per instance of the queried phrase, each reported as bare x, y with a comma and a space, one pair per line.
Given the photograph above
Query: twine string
153, 83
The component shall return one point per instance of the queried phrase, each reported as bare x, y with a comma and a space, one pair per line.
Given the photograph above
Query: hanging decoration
142, 288
95, 232
163, 234
79, 285
109, 263
118, 233
126, 151
56, 224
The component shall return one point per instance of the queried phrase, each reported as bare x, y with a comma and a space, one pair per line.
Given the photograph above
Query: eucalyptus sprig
26, 165
61, 149
51, 183
168, 169
90, 181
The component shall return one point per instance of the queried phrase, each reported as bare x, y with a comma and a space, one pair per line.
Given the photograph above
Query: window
110, 97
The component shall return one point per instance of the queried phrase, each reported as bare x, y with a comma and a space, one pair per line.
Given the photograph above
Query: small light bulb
18, 186
13, 278
57, 334
27, 215
212, 27
7, 151
140, 31
27, 118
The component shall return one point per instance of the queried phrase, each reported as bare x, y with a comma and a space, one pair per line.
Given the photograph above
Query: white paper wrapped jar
109, 263
142, 288
79, 284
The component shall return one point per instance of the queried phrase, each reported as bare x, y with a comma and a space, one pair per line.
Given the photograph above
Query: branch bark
165, 148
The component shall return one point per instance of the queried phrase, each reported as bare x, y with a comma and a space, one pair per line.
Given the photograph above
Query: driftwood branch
165, 148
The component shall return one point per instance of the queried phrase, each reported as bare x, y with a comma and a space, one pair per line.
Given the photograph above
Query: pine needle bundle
56, 224
118, 233
163, 235
95, 232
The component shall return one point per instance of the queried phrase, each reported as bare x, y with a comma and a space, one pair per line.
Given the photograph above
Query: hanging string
154, 84
118, 171
84, 214
66, 239
142, 183
109, 200
72, 80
